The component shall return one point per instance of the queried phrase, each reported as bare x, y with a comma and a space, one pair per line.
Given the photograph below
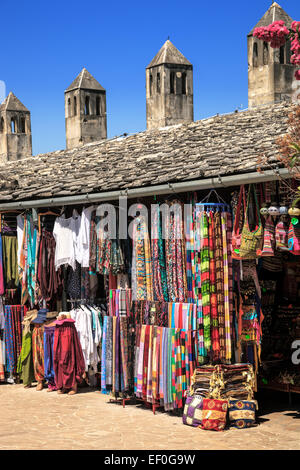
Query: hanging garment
160, 288
47, 276
64, 233
226, 290
251, 241
49, 356
93, 245
142, 286
84, 237
25, 362
13, 335
205, 278
68, 360
31, 261
175, 254
213, 295
220, 284
10, 260
2, 287
38, 352
269, 238
74, 282
89, 332
22, 265
281, 236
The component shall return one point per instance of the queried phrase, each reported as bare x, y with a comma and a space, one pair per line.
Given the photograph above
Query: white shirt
84, 236
64, 237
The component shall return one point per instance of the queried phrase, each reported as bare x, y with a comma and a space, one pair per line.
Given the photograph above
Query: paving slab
32, 420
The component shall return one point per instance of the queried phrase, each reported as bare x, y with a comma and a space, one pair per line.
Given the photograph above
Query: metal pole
186, 186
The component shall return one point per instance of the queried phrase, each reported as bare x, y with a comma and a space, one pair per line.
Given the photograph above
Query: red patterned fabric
214, 414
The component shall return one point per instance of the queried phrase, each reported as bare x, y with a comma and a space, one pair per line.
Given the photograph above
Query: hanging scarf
160, 288
213, 295
226, 290
220, 284
205, 278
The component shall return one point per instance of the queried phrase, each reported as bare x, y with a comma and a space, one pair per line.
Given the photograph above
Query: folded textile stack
201, 381
224, 381
239, 381
41, 316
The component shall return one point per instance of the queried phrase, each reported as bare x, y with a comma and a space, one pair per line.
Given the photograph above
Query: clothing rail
167, 188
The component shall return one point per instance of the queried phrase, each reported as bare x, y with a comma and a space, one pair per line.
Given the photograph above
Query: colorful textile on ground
192, 413
242, 413
214, 414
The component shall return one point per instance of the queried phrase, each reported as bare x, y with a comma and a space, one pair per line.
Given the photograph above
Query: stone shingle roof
168, 54
274, 13
12, 103
222, 145
85, 81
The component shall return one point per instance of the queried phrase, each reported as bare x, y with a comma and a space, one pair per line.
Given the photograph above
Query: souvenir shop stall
193, 310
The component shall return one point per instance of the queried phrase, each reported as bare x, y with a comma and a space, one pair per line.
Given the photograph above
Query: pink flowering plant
277, 34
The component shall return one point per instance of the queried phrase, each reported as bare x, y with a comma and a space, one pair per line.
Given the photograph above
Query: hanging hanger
221, 204
49, 212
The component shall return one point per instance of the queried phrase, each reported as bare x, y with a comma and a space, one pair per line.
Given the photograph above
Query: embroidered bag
269, 238
192, 413
236, 235
251, 240
242, 413
214, 414
294, 239
281, 236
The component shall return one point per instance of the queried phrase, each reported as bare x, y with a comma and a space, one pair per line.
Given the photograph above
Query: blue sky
48, 43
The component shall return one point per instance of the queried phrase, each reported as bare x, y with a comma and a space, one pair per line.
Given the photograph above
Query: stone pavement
41, 420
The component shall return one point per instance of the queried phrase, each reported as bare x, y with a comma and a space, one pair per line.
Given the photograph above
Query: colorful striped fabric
226, 290
205, 278
166, 361
220, 284
213, 295
142, 285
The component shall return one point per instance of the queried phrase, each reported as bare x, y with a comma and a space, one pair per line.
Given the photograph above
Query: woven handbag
251, 241
192, 414
294, 239
236, 235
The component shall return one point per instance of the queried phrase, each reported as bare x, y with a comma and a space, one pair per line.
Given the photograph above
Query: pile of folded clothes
224, 381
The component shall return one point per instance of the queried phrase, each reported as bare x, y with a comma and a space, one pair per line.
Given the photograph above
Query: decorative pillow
242, 413
192, 413
214, 414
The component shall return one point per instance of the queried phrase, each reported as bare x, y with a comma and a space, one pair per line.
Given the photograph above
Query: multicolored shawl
201, 353
38, 352
160, 288
205, 278
103, 251
220, 283
23, 265
140, 363
103, 356
175, 253
109, 352
230, 272
226, 289
13, 316
142, 286
213, 295
31, 259
124, 352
